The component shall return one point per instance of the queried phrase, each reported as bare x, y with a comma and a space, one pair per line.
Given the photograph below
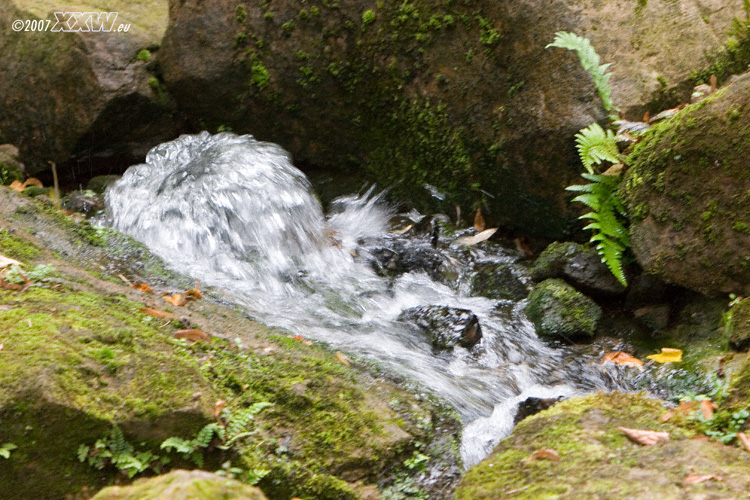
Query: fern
610, 234
596, 145
239, 422
590, 62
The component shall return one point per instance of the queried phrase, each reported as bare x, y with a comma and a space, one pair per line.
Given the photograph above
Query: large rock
446, 326
81, 97
462, 96
558, 310
687, 195
183, 485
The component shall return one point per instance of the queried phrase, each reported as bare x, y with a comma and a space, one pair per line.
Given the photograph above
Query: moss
559, 310
368, 17
597, 459
16, 247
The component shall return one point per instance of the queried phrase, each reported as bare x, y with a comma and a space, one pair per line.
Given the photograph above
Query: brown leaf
479, 221
342, 358
218, 407
712, 80
745, 440
17, 186
192, 334
622, 358
123, 278
176, 300
7, 261
300, 338
145, 288
701, 478
157, 313
194, 293
33, 181
645, 437
707, 408
546, 453
4, 285
477, 238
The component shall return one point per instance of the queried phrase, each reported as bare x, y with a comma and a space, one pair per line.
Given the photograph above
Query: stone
559, 311
183, 485
655, 317
532, 406
498, 281
737, 325
446, 326
687, 197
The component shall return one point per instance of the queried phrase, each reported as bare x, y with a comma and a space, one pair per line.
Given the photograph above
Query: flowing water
236, 214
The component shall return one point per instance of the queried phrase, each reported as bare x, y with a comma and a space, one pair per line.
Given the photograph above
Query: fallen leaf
403, 230
701, 478
684, 408
479, 221
7, 261
622, 358
342, 358
546, 453
157, 313
218, 407
477, 238
712, 80
707, 408
300, 338
176, 300
615, 169
745, 440
4, 285
145, 288
17, 186
33, 181
123, 278
194, 293
667, 355
192, 334
645, 437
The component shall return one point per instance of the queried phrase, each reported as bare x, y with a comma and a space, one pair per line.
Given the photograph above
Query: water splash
235, 213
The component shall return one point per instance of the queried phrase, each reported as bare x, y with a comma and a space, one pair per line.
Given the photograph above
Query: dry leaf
17, 186
7, 261
547, 453
667, 355
615, 169
707, 408
157, 313
477, 238
176, 300
700, 478
645, 437
622, 358
712, 81
145, 288
123, 278
300, 338
33, 181
194, 293
4, 285
218, 407
403, 230
342, 358
479, 221
192, 334
684, 408
744, 439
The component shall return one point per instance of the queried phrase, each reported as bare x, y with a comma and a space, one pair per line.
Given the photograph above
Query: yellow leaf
477, 238
17, 186
667, 355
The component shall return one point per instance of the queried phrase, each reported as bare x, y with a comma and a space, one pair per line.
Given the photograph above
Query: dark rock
100, 183
497, 281
447, 326
10, 168
737, 325
647, 289
85, 202
654, 317
532, 406
687, 195
394, 257
579, 265
558, 310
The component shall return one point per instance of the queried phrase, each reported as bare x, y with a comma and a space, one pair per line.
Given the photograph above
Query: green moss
16, 247
240, 13
368, 17
559, 310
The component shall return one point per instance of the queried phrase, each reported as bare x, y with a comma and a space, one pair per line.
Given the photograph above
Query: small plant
251, 477
368, 17
418, 461
144, 55
590, 62
6, 449
113, 450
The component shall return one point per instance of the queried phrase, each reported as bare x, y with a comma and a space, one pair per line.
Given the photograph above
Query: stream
236, 214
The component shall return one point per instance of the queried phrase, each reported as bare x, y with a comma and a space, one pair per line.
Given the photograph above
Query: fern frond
590, 62
595, 145
206, 435
179, 445
241, 420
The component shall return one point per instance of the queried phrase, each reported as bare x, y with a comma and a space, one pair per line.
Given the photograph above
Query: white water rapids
236, 214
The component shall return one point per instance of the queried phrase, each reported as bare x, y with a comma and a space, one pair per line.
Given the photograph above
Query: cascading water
234, 213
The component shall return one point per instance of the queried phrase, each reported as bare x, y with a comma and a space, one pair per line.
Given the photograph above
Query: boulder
737, 325
579, 265
439, 102
498, 281
446, 326
558, 310
687, 195
10, 168
183, 485
82, 98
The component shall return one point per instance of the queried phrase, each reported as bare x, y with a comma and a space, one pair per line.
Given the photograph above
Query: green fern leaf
595, 145
206, 435
178, 445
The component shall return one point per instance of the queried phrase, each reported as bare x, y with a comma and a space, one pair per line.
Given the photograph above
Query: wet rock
87, 95
687, 195
532, 406
497, 281
654, 317
579, 265
737, 325
446, 326
85, 202
183, 485
558, 310
100, 183
394, 257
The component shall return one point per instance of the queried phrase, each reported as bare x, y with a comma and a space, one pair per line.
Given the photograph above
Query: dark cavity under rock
532, 406
446, 326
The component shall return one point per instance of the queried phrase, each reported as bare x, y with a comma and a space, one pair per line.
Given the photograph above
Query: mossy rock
737, 325
688, 195
558, 310
10, 168
598, 461
498, 281
80, 355
183, 485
